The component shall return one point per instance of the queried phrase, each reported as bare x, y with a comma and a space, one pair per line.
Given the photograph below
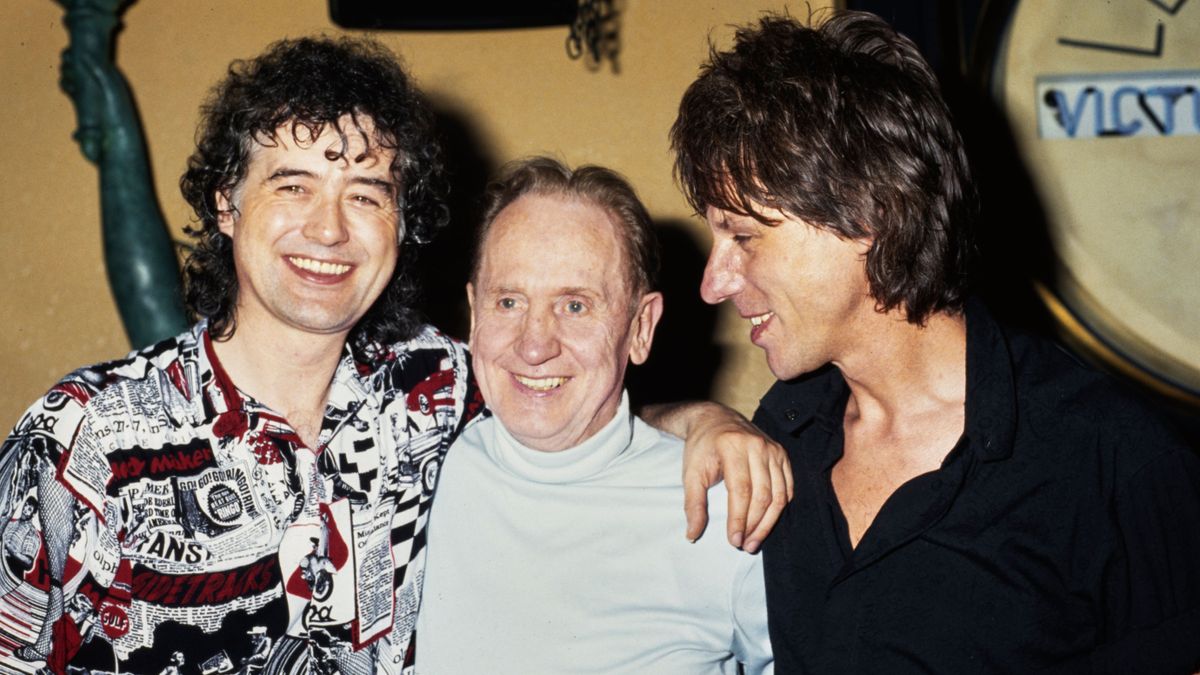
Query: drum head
1104, 104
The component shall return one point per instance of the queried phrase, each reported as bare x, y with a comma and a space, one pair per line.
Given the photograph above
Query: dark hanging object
450, 14
594, 33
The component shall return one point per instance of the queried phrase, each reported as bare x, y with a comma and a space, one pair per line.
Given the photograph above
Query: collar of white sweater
574, 464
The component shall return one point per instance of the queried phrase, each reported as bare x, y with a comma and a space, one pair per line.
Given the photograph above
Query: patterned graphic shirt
155, 519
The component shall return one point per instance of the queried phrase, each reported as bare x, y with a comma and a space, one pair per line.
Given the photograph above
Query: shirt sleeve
751, 642
1153, 587
37, 513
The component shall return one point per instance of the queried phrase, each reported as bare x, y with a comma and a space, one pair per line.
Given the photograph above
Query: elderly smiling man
551, 547
254, 492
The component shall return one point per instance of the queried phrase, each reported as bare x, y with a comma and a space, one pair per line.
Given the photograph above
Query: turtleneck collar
574, 464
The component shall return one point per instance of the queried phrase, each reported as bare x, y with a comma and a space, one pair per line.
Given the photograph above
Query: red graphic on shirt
113, 617
72, 567
175, 375
231, 423
264, 449
66, 642
316, 569
74, 391
435, 391
209, 588
113, 620
38, 576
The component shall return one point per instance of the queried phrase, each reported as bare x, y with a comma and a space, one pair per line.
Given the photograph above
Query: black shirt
1062, 531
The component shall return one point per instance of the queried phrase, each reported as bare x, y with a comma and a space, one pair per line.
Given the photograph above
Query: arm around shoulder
721, 444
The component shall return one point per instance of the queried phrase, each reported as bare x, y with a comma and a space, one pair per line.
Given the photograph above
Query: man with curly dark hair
967, 498
184, 490
296, 91
174, 502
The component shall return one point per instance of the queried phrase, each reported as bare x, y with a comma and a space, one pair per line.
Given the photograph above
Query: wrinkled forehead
544, 236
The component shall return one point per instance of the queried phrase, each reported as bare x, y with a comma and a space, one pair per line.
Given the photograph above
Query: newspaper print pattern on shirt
157, 520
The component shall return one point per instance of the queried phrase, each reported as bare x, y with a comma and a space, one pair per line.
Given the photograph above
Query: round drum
1104, 103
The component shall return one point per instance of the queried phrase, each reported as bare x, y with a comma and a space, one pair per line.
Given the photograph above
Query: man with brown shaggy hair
968, 498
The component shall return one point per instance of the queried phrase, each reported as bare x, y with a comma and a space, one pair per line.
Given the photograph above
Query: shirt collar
820, 397
575, 464
221, 393
991, 410
817, 400
349, 389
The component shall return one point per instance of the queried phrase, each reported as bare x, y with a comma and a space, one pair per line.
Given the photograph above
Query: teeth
541, 383
318, 266
761, 318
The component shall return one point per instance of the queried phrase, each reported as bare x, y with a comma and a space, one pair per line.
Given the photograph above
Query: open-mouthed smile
760, 319
541, 383
318, 266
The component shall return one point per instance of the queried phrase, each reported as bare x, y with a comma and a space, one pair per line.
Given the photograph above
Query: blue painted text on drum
1098, 105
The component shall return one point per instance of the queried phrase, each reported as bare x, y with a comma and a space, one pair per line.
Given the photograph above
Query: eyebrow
731, 222
581, 290
290, 173
500, 289
570, 290
386, 185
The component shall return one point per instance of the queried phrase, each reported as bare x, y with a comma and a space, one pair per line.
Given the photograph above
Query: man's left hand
720, 443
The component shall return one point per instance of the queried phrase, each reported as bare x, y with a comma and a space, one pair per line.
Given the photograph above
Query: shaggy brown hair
844, 127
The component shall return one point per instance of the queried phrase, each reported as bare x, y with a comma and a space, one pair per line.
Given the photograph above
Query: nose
722, 275
326, 223
538, 341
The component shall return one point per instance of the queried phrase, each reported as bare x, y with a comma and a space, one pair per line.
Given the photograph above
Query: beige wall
516, 89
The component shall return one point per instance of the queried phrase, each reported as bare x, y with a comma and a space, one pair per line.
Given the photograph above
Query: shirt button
791, 414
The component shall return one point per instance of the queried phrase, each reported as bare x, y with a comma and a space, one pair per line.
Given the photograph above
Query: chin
780, 369
790, 369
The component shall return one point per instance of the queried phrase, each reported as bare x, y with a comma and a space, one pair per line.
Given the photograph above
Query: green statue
138, 252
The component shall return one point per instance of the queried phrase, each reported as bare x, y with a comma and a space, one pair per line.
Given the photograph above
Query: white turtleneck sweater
576, 562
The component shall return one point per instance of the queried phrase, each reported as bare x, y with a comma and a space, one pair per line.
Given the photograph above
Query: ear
864, 245
471, 308
641, 329
225, 212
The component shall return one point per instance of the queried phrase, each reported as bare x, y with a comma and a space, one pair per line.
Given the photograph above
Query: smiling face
314, 238
802, 290
553, 323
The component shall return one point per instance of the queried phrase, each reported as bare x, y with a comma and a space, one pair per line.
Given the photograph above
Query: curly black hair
302, 85
844, 127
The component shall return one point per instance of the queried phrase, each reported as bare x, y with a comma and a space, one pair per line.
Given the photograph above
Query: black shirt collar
991, 414
820, 397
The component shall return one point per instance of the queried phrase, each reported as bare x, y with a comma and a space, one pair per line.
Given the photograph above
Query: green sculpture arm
138, 253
